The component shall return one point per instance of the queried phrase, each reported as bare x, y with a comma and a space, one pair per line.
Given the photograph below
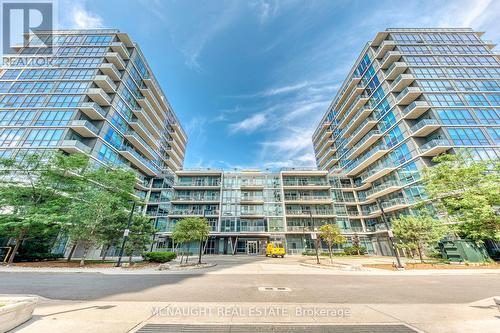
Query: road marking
274, 289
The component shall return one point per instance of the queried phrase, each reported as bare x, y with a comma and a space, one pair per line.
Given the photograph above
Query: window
10, 74
71, 87
488, 116
43, 137
494, 99
476, 100
455, 116
467, 136
107, 155
98, 40
495, 135
114, 138
22, 118
54, 118
10, 137
64, 101
445, 100
435, 85
11, 101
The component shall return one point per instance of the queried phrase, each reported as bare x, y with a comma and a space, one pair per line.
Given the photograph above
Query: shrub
353, 250
160, 257
34, 256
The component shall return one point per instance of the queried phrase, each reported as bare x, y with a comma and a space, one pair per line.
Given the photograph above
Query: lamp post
125, 234
389, 234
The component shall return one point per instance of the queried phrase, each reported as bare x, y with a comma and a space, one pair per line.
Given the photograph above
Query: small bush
160, 257
28, 257
353, 250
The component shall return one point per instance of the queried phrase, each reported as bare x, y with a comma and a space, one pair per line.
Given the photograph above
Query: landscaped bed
88, 264
436, 265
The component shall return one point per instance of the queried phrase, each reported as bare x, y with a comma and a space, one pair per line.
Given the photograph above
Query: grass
437, 265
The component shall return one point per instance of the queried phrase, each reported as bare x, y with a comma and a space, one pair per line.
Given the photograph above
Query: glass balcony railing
212, 212
413, 105
85, 123
435, 143
205, 182
304, 182
95, 106
307, 198
197, 197
423, 123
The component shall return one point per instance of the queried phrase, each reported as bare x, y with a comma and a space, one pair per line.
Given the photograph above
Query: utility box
463, 250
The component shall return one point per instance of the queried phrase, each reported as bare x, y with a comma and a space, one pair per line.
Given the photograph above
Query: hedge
159, 256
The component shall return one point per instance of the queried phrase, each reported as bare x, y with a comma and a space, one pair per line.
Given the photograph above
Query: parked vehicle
275, 249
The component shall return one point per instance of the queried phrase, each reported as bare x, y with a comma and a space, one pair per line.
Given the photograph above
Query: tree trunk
130, 259
86, 249
182, 255
330, 253
105, 252
187, 255
19, 239
419, 249
200, 252
72, 251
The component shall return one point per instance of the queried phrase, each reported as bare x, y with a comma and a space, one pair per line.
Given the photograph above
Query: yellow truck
275, 249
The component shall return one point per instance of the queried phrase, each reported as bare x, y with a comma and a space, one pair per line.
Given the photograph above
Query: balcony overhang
138, 163
378, 174
99, 96
121, 49
111, 71
105, 83
74, 146
83, 128
115, 59
92, 110
364, 164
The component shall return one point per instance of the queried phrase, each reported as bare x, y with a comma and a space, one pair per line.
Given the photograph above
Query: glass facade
412, 94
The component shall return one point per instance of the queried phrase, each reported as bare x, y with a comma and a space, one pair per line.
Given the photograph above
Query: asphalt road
244, 288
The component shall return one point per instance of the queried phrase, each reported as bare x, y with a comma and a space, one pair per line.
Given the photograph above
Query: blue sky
251, 79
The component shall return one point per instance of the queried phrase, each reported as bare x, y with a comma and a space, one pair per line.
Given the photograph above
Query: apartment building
92, 92
411, 95
89, 91
248, 209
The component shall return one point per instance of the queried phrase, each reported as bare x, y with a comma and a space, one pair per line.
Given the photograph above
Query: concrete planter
15, 311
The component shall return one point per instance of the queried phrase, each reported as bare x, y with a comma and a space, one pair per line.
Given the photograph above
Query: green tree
35, 192
468, 191
141, 231
418, 232
331, 234
188, 230
356, 242
112, 231
106, 196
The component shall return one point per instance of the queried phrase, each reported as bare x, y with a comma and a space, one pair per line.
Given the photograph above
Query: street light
389, 234
125, 234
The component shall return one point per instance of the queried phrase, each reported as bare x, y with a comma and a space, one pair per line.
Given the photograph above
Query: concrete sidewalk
72, 316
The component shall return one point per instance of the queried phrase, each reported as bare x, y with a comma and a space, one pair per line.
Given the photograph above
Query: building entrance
252, 248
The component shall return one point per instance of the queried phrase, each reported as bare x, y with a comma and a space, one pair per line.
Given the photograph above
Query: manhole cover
170, 328
274, 289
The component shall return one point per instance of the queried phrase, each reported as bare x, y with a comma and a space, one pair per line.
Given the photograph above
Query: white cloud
75, 15
249, 124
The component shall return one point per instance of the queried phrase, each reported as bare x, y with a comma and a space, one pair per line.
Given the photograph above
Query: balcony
115, 59
331, 161
250, 186
362, 130
146, 121
140, 144
307, 213
327, 133
389, 58
251, 214
366, 142
196, 198
386, 45
194, 212
172, 153
252, 200
309, 199
325, 145
146, 106
120, 48
435, 147
75, 146
356, 105
396, 69
205, 184
179, 132
402, 81
139, 161
111, 71
408, 95
305, 185
327, 154
362, 114
383, 189
425, 127
353, 82
172, 164
174, 144
394, 204
415, 109
84, 127
93, 110
99, 96
139, 127
105, 83
370, 157
377, 173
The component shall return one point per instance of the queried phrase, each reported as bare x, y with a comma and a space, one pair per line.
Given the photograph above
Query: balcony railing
304, 183
423, 123
307, 198
213, 212
322, 212
198, 183
196, 198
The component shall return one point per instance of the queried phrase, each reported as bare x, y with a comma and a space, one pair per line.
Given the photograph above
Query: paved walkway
71, 316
